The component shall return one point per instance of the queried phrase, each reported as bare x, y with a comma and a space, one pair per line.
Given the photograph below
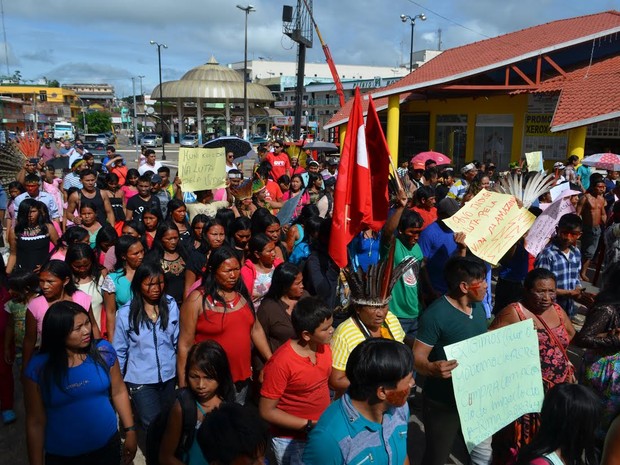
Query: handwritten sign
201, 169
497, 380
544, 226
492, 223
534, 161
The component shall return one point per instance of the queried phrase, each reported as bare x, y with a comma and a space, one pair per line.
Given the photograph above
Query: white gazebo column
180, 122
199, 120
227, 116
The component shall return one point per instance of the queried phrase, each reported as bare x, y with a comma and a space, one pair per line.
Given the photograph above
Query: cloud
41, 56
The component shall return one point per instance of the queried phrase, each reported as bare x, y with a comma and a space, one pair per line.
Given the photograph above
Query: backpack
157, 428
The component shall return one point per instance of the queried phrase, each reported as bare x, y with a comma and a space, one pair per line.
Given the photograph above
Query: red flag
352, 203
379, 165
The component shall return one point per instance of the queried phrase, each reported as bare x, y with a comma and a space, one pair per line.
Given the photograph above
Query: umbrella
232, 144
603, 161
251, 155
437, 157
322, 146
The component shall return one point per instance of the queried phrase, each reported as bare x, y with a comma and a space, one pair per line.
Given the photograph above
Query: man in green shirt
405, 304
454, 317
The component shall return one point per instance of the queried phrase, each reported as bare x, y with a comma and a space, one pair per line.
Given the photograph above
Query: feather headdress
535, 186
11, 162
243, 191
374, 287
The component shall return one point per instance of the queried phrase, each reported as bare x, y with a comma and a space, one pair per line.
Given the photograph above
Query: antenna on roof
439, 39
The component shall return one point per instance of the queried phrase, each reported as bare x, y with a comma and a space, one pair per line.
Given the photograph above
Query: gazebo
210, 83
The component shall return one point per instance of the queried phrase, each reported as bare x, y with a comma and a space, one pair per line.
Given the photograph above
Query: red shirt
279, 164
429, 216
300, 385
232, 330
273, 191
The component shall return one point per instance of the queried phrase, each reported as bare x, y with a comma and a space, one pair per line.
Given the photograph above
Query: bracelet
129, 428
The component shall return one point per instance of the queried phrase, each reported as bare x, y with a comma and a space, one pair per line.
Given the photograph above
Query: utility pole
135, 122
143, 104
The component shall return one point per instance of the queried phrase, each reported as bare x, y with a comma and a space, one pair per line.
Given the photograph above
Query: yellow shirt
348, 336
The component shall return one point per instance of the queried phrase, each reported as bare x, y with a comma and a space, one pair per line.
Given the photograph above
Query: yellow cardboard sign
492, 223
534, 161
201, 169
497, 380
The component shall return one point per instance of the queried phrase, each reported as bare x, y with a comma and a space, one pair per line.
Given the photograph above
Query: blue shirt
565, 267
437, 244
43, 197
81, 418
344, 436
148, 357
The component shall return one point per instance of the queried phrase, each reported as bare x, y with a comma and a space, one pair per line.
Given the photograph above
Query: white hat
559, 166
468, 167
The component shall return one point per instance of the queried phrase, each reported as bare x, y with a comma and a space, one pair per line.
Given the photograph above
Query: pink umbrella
437, 157
603, 161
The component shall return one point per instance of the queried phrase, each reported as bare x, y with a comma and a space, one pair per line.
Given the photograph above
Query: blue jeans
410, 326
288, 451
151, 399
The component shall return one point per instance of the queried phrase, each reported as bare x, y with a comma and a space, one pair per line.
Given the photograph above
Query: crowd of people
206, 329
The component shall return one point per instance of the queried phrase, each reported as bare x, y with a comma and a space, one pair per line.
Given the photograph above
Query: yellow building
553, 87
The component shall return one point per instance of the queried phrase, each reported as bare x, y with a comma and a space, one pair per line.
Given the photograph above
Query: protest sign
492, 223
497, 380
534, 161
544, 226
201, 169
557, 190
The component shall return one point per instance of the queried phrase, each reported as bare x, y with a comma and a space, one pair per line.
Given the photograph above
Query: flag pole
400, 185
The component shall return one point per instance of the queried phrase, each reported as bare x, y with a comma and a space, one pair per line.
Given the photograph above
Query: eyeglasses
277, 146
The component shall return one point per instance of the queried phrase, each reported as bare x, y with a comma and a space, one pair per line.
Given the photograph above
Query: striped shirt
348, 336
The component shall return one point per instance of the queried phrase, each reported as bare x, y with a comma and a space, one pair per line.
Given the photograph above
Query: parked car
111, 138
151, 140
98, 149
257, 139
189, 140
101, 138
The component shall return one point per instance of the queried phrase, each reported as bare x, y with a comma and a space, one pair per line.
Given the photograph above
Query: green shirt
442, 324
405, 303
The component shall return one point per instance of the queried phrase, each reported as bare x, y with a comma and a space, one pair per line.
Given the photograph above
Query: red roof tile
477, 57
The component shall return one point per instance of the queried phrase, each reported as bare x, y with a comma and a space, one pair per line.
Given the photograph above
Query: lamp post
404, 19
135, 120
83, 111
143, 103
248, 9
161, 101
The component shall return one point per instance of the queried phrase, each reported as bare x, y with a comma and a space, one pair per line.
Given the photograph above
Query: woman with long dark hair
73, 391
72, 235
177, 213
116, 286
86, 274
568, 420
56, 285
213, 237
221, 309
274, 312
239, 234
145, 340
297, 188
105, 240
29, 241
131, 184
151, 218
114, 192
315, 188
208, 380
265, 222
168, 253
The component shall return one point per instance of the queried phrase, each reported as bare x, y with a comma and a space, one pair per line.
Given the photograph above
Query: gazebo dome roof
212, 82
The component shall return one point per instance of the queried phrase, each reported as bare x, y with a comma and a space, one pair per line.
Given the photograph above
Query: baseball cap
155, 178
558, 166
312, 162
333, 161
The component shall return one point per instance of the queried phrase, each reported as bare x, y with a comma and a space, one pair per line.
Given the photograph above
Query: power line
449, 20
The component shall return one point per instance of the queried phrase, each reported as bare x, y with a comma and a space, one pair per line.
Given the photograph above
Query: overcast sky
108, 41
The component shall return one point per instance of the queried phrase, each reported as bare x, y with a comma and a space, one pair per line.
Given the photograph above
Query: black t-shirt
137, 204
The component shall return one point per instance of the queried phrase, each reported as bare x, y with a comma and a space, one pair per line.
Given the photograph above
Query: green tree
99, 121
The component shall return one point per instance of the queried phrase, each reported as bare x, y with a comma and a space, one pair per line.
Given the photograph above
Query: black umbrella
322, 146
232, 144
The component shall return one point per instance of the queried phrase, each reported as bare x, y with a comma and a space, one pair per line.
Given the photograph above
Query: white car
152, 140
189, 140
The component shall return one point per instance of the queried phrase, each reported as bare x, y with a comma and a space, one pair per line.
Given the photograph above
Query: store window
493, 139
451, 137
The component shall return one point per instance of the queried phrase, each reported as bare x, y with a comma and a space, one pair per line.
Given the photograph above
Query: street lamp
143, 103
161, 101
404, 19
83, 111
248, 9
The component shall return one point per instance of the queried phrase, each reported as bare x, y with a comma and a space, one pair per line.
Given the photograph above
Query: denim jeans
410, 326
151, 399
288, 451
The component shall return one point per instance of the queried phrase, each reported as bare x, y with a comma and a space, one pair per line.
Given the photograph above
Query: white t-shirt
146, 167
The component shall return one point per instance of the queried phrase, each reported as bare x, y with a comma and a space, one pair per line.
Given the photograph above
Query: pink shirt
39, 305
